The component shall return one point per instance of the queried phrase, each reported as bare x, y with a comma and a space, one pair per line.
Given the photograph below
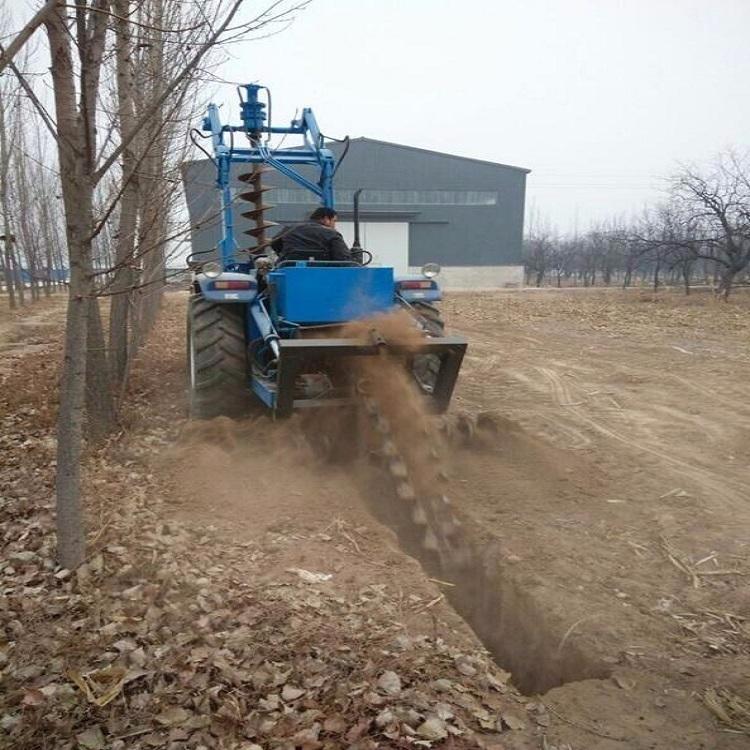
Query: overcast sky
599, 98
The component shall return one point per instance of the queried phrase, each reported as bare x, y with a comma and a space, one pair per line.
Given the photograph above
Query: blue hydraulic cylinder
326, 179
227, 244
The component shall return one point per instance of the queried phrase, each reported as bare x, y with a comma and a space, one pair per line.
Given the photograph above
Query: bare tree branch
156, 105
7, 54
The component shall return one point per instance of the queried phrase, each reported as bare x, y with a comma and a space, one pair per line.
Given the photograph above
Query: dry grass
729, 708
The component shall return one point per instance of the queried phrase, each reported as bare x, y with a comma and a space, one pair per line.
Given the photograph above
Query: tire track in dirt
734, 404
732, 492
488, 392
576, 439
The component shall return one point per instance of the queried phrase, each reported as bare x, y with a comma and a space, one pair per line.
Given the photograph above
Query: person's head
325, 216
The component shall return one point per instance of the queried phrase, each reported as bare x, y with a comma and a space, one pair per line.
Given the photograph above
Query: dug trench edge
526, 638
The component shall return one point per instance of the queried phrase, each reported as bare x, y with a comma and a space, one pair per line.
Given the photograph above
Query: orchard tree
716, 200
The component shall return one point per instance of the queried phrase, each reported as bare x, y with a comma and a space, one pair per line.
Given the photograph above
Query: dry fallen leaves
169, 637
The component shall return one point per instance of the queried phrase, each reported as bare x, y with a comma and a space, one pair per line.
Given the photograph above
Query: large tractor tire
216, 359
427, 366
431, 317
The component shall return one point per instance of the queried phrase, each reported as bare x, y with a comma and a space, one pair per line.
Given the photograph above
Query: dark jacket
311, 240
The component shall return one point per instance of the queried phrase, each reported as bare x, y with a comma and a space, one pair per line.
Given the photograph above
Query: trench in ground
523, 636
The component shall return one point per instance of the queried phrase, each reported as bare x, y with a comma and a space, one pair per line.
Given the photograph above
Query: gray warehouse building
417, 206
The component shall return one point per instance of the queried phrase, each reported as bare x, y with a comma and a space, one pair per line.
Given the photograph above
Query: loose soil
596, 460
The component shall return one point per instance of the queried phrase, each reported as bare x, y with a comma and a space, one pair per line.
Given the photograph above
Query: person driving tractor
316, 239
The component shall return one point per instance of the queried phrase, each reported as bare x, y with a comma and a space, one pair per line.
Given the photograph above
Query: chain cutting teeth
405, 491
430, 541
398, 468
389, 449
371, 406
440, 526
448, 527
382, 425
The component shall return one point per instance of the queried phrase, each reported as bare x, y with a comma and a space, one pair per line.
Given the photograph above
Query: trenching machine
286, 331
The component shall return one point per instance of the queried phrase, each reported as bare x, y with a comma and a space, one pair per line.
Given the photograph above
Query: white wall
388, 241
478, 277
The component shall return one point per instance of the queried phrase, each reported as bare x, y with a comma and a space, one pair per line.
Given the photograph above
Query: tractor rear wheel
431, 318
427, 366
216, 359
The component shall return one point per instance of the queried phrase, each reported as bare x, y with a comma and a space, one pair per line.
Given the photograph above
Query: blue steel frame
275, 336
253, 114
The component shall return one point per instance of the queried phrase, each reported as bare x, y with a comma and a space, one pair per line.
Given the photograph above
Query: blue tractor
283, 333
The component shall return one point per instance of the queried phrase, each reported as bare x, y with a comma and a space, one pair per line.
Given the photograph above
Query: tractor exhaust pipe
356, 246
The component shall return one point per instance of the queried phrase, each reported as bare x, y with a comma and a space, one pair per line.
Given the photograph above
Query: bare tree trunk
7, 266
18, 272
153, 209
100, 415
91, 30
49, 272
77, 189
726, 283
5, 208
26, 245
71, 540
123, 274
687, 272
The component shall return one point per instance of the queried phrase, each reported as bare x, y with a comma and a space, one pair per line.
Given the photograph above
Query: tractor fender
421, 295
208, 287
429, 294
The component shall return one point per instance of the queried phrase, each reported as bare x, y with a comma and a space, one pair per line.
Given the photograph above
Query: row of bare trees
32, 250
128, 80
700, 233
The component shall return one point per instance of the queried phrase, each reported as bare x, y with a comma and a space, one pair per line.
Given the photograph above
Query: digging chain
431, 513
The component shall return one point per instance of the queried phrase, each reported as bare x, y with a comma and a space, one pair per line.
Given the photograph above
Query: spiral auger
428, 509
254, 194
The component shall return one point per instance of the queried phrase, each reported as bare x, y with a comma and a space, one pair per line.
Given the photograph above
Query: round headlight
212, 269
430, 270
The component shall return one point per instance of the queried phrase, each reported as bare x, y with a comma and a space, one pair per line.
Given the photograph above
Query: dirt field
620, 504
600, 531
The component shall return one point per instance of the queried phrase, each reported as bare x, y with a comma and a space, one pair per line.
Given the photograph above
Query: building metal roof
363, 139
